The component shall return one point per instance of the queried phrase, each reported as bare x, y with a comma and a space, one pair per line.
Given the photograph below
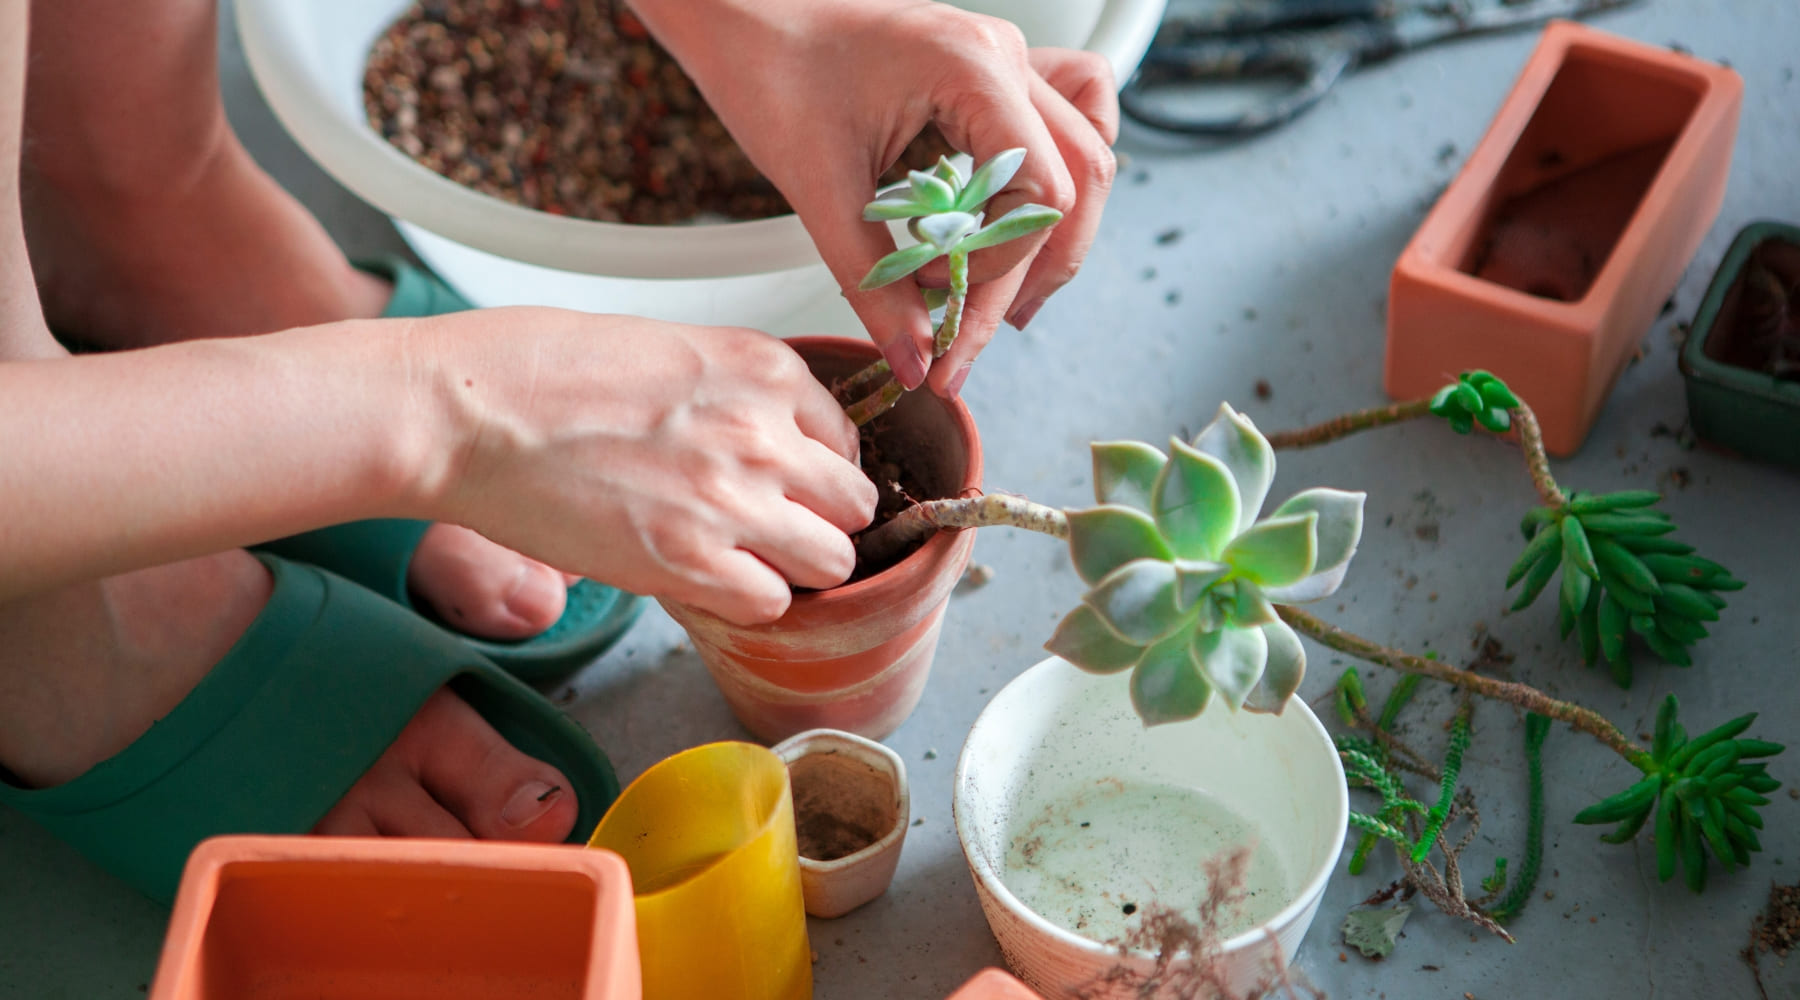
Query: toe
483, 589
491, 788
389, 801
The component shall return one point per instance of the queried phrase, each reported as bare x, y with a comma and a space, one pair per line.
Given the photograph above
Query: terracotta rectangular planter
1550, 254
1735, 400
992, 984
286, 918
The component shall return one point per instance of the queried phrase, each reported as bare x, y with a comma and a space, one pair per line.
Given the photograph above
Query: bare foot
223, 251
90, 667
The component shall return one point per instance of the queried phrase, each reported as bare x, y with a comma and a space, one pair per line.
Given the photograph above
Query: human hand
703, 464
823, 96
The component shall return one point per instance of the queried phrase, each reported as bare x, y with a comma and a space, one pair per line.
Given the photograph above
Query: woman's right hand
702, 464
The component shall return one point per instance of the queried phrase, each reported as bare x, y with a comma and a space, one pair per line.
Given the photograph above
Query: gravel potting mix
568, 107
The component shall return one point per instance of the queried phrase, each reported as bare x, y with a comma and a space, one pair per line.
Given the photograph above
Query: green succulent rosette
1184, 577
944, 210
1476, 397
1704, 794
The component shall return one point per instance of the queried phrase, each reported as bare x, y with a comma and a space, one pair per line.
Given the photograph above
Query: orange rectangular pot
855, 657
992, 984
286, 918
1550, 254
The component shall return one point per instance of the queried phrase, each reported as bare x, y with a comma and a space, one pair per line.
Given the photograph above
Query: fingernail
532, 800
911, 370
953, 388
1024, 313
538, 594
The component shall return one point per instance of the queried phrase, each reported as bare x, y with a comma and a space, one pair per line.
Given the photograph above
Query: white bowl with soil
1096, 843
851, 808
309, 57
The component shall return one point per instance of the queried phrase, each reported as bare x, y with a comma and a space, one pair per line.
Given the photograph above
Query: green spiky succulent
1704, 793
1476, 397
1621, 573
944, 209
1184, 578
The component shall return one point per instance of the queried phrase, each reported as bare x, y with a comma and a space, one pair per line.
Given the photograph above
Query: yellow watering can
709, 837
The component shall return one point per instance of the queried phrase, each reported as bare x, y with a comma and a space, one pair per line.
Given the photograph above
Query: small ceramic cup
851, 811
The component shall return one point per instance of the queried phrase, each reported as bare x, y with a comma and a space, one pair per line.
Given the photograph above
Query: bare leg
86, 669
148, 222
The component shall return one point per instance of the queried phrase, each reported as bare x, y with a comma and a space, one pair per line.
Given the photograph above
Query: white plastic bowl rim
307, 56
989, 878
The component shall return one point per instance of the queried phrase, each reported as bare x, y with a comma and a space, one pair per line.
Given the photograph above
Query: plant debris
1375, 932
1776, 929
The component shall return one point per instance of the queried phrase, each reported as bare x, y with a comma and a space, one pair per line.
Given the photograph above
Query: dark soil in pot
841, 805
1758, 327
567, 107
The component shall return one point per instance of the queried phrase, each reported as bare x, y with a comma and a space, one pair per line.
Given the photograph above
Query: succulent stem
857, 386
875, 403
1531, 442
953, 306
1523, 695
922, 520
1350, 423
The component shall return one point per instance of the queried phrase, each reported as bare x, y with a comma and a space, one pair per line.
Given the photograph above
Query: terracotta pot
992, 984
1550, 254
1734, 399
361, 917
1079, 823
851, 808
856, 657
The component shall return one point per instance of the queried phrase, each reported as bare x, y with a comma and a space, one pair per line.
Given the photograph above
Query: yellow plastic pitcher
709, 837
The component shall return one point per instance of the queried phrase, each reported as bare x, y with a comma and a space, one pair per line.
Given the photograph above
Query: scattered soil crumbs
567, 107
1776, 929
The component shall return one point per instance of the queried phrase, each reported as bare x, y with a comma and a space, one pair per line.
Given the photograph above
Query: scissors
1314, 42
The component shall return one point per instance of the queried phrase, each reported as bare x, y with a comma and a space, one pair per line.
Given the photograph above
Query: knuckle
1100, 167
1094, 71
763, 605
991, 40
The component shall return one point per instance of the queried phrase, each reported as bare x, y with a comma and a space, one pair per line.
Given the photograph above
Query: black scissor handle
1315, 67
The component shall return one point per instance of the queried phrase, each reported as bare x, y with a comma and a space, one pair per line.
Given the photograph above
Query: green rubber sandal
377, 553
316, 689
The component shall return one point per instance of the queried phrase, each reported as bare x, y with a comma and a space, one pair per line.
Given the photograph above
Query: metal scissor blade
1225, 18
1462, 18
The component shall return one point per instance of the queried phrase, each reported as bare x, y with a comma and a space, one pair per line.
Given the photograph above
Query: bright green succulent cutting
1476, 397
1703, 792
1184, 578
1621, 573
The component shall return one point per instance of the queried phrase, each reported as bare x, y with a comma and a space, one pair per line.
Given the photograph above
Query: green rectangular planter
1750, 412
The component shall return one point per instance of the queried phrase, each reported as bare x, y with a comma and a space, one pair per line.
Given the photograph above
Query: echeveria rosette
1621, 574
1704, 794
1184, 577
1476, 397
943, 210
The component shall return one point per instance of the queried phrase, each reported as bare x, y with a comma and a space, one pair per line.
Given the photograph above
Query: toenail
529, 803
537, 591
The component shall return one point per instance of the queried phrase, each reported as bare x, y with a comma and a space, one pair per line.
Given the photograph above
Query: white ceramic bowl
307, 57
1058, 748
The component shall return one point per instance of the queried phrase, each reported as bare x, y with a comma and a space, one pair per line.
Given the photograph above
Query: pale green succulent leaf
1101, 539
1233, 439
1283, 671
1251, 609
1338, 533
898, 265
1194, 579
931, 190
1195, 503
989, 179
1014, 224
1277, 551
1166, 686
898, 203
946, 171
945, 229
1084, 640
1137, 601
1232, 661
1125, 472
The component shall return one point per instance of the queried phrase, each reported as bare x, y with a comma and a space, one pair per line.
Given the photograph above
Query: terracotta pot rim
795, 747
988, 881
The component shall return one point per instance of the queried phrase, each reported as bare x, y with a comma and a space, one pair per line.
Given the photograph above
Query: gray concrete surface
1278, 273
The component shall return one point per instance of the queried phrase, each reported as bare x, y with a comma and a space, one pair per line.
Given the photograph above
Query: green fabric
377, 553
316, 689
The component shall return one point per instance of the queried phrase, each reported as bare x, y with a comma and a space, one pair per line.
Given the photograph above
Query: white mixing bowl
308, 55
